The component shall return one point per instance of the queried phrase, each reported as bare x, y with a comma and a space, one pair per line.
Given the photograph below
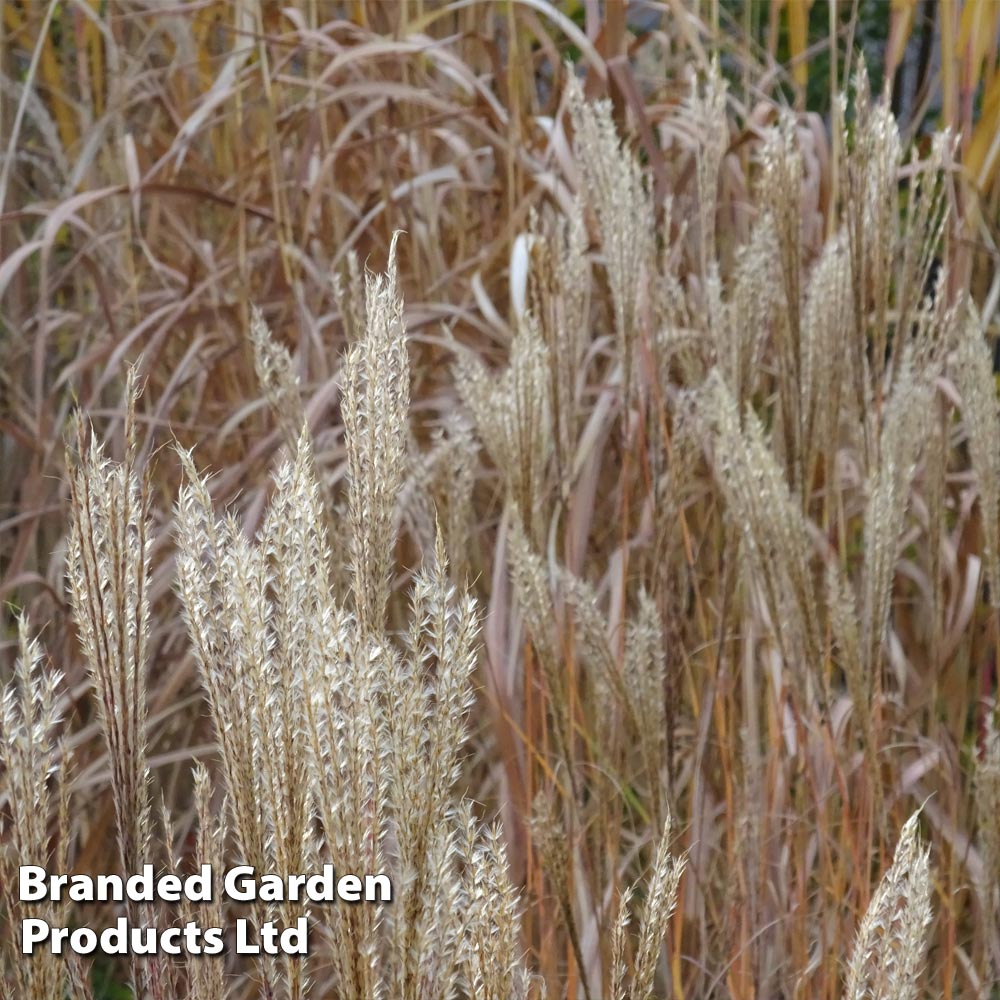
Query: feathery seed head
888, 950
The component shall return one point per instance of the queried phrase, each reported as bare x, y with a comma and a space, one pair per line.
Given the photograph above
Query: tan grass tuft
376, 399
34, 788
973, 373
889, 949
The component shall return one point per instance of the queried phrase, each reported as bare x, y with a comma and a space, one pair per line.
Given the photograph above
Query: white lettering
349, 888
31, 884
237, 888
33, 931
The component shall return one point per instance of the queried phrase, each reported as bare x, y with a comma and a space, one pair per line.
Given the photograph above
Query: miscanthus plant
737, 515
740, 501
337, 739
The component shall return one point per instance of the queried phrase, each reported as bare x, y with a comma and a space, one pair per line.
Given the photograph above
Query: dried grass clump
275, 373
974, 380
513, 414
618, 193
618, 570
323, 717
337, 739
889, 949
661, 898
35, 789
773, 535
108, 580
